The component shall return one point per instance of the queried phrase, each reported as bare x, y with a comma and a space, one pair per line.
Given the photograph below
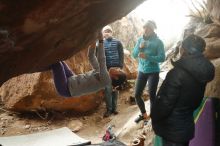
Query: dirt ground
91, 126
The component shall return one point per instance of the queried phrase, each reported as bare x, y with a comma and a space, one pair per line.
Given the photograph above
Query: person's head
149, 28
114, 72
118, 77
192, 45
107, 32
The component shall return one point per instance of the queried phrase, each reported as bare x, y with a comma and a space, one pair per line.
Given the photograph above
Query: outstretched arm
92, 57
104, 75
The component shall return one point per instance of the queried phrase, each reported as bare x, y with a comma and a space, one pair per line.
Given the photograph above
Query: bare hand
142, 55
100, 36
141, 45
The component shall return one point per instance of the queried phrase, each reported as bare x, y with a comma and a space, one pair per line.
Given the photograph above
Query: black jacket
180, 94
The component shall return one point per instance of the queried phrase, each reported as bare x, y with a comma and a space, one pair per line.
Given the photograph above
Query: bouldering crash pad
58, 137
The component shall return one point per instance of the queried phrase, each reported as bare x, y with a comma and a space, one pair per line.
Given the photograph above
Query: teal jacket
154, 50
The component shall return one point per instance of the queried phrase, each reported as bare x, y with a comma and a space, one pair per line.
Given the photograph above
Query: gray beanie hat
151, 24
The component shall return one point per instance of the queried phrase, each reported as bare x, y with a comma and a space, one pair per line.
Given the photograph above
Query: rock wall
212, 38
41, 32
213, 88
213, 7
128, 29
211, 33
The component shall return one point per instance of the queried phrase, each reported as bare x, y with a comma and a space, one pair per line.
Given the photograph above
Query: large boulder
211, 34
213, 88
128, 29
130, 66
42, 32
213, 7
213, 48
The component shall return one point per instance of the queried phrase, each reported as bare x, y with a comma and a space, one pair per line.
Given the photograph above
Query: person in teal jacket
149, 50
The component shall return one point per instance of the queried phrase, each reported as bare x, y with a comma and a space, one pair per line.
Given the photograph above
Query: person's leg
153, 80
108, 100
139, 87
68, 71
170, 143
60, 79
115, 95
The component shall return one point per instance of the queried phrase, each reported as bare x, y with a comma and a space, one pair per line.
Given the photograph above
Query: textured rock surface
212, 38
211, 34
128, 29
213, 88
30, 92
213, 6
45, 31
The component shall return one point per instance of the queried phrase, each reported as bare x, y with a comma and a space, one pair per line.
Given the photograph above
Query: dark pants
169, 143
142, 79
111, 98
61, 73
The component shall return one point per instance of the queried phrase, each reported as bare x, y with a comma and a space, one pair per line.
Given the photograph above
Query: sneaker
132, 100
107, 114
115, 112
139, 118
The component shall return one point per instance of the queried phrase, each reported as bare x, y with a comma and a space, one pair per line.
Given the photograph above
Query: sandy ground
91, 126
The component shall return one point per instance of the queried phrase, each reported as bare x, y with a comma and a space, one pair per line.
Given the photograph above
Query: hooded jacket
154, 50
180, 94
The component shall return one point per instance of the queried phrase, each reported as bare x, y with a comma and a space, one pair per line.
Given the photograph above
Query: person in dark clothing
181, 93
114, 59
114, 51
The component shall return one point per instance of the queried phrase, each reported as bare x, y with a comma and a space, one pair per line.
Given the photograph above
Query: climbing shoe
115, 112
139, 118
107, 114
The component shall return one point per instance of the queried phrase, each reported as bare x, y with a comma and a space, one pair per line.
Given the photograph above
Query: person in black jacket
181, 93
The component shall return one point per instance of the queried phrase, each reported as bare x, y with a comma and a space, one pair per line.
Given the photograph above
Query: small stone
75, 125
3, 131
6, 117
131, 90
98, 118
27, 126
